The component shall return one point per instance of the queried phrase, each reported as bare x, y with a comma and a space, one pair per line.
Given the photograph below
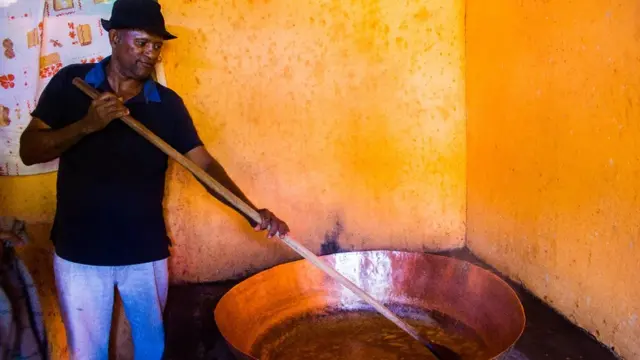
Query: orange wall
341, 112
553, 167
348, 112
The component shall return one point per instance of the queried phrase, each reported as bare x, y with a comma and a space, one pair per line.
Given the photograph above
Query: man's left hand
270, 222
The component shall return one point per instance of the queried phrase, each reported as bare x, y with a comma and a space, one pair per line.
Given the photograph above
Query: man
109, 229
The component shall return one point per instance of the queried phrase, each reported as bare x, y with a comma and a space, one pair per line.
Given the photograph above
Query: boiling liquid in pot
364, 335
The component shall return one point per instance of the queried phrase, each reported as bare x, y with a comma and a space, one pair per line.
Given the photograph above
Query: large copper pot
466, 292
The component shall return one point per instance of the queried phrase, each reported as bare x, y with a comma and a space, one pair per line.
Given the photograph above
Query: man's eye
140, 43
157, 46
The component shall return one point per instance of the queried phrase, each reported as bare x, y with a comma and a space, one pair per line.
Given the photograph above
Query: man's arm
201, 157
39, 143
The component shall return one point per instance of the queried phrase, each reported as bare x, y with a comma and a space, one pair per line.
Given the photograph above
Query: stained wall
346, 118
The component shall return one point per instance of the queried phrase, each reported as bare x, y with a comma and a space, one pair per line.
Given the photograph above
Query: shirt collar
96, 77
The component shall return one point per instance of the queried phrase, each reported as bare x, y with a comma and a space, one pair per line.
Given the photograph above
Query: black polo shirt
110, 184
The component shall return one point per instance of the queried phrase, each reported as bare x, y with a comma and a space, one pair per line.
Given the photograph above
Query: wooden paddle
441, 352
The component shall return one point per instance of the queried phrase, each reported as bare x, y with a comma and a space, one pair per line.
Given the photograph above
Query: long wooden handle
249, 211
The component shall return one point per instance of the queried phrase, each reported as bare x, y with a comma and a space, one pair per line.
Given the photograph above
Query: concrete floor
192, 333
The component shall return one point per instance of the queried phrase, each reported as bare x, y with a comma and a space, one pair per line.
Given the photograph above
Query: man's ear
114, 37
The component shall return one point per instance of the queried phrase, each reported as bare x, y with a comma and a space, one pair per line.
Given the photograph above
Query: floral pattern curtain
39, 37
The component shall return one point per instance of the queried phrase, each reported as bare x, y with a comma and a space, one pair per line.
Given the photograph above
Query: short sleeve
50, 106
185, 136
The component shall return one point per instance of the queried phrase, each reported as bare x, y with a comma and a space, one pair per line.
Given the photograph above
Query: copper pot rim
291, 263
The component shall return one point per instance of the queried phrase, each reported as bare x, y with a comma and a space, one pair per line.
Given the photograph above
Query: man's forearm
216, 171
43, 145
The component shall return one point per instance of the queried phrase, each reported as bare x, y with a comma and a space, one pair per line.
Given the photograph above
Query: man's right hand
40, 144
102, 111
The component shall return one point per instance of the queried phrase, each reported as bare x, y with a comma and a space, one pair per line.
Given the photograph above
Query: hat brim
106, 24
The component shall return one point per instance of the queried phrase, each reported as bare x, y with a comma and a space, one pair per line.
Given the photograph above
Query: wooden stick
247, 210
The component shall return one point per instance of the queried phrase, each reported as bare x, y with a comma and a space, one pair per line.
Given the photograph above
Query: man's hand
270, 222
103, 111
39, 143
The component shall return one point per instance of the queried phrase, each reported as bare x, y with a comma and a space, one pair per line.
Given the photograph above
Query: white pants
86, 295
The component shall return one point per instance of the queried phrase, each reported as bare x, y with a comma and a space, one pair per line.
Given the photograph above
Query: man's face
137, 52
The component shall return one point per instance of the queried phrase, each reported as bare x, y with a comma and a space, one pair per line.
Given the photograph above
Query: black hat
137, 14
